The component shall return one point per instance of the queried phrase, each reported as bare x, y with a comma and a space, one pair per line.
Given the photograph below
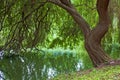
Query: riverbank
104, 73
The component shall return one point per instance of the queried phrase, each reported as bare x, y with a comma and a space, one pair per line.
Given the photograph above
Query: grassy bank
105, 73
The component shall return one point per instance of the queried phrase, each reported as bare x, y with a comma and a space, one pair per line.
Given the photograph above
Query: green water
37, 66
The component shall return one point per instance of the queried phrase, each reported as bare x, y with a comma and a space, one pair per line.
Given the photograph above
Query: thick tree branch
102, 8
103, 24
65, 4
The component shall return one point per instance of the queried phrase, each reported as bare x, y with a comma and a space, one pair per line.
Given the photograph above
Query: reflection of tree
25, 68
33, 67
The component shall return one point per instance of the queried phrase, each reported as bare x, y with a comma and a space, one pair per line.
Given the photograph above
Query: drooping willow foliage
23, 23
35, 23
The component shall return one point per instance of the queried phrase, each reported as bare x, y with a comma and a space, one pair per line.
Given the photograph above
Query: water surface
38, 66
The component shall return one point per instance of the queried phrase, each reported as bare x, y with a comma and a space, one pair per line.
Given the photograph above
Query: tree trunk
95, 51
92, 37
93, 40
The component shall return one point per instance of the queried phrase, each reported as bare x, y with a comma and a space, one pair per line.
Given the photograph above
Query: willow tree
94, 36
25, 23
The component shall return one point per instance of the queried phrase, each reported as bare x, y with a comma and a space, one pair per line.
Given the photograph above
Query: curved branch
76, 16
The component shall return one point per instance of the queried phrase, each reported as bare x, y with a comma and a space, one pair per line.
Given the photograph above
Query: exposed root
110, 63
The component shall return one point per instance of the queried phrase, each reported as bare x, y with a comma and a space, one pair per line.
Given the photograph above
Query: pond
38, 66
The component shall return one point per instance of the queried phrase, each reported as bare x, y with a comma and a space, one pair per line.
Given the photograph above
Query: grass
105, 73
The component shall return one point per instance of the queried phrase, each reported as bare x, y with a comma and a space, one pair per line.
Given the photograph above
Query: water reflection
79, 65
35, 66
2, 77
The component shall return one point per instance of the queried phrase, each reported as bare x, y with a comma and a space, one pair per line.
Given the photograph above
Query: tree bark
93, 40
92, 37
